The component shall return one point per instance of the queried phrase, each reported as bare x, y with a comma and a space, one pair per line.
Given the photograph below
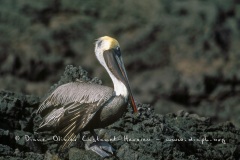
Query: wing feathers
76, 92
71, 106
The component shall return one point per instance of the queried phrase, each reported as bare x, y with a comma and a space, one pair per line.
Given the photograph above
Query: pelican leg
102, 148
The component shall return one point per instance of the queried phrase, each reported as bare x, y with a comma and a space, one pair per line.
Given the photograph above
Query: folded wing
71, 106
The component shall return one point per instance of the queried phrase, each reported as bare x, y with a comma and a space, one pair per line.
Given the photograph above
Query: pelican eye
118, 51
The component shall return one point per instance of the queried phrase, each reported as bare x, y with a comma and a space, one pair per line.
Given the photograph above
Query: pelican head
108, 53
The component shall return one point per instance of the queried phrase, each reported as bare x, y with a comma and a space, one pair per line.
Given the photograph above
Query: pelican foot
102, 148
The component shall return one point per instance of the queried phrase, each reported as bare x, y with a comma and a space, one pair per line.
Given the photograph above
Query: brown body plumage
79, 106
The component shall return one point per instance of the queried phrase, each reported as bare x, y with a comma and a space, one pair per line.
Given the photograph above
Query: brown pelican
80, 106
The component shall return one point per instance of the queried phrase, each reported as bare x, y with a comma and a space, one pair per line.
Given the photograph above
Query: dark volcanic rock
187, 52
172, 136
141, 136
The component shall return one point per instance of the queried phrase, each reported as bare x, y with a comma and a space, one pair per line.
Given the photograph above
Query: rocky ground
178, 55
147, 135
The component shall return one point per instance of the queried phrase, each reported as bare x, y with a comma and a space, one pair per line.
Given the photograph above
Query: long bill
116, 66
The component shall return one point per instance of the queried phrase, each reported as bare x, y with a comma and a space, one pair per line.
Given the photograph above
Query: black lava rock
145, 135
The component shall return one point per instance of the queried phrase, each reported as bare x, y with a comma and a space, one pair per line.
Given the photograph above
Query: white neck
119, 87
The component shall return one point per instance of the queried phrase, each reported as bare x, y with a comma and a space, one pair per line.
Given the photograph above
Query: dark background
178, 54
